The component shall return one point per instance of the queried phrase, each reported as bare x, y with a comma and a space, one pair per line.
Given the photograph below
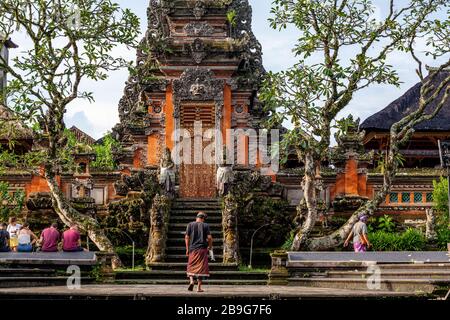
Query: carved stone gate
198, 97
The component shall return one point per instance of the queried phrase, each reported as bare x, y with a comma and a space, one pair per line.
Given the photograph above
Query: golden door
197, 180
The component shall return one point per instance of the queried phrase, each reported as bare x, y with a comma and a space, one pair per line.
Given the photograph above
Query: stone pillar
104, 262
279, 273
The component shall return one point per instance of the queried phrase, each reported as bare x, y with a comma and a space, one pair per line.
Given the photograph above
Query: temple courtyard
293, 275
148, 292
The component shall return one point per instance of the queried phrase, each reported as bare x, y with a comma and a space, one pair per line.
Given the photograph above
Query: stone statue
197, 89
141, 105
430, 232
167, 173
224, 178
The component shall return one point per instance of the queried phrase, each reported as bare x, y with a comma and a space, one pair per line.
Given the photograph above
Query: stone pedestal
104, 260
279, 273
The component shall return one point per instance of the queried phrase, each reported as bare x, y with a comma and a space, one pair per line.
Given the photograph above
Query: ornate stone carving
212, 87
243, 183
224, 178
199, 9
430, 233
198, 51
167, 173
197, 89
198, 29
251, 69
159, 222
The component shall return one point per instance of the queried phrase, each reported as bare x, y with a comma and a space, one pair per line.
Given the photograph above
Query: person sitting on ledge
13, 230
4, 238
26, 239
72, 240
50, 238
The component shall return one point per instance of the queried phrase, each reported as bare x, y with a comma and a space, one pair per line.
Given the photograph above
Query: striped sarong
198, 263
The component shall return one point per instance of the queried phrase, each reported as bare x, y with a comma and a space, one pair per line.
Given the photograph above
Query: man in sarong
359, 233
198, 241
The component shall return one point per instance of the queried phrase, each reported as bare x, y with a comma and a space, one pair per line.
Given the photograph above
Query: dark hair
25, 225
3, 225
201, 215
55, 225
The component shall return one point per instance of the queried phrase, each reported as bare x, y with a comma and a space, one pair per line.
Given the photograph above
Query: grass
243, 268
129, 269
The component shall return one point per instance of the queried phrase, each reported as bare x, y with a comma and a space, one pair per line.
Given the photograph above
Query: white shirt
13, 230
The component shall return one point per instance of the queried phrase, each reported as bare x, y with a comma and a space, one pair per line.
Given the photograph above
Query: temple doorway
197, 178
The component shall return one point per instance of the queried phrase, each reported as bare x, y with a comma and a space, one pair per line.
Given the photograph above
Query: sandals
191, 287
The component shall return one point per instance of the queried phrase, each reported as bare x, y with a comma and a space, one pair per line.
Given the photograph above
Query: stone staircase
32, 276
185, 211
431, 278
173, 270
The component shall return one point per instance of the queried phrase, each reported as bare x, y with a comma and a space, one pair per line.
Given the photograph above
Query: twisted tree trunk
310, 195
87, 224
338, 237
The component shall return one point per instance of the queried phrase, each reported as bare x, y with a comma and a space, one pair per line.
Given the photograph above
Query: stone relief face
198, 29
157, 109
239, 109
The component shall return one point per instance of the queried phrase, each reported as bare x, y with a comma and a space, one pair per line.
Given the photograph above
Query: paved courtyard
178, 291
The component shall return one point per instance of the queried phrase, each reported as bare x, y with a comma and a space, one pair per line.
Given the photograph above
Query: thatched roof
383, 120
12, 128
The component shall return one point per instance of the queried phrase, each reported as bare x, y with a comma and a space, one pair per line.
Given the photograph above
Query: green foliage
386, 224
231, 17
258, 212
440, 199
399, 159
126, 255
70, 41
104, 154
11, 203
344, 125
287, 245
409, 240
443, 237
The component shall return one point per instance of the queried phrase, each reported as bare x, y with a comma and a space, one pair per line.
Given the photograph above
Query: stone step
324, 266
415, 266
182, 226
386, 284
414, 274
193, 213
183, 257
178, 241
187, 219
173, 266
195, 208
20, 272
181, 250
181, 275
177, 234
16, 282
196, 202
186, 282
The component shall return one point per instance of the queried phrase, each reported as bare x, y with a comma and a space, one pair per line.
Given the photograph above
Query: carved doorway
197, 178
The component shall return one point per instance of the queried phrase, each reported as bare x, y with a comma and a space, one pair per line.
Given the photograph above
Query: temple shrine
199, 63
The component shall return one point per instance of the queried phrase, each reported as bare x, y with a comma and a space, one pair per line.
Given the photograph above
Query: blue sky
99, 117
